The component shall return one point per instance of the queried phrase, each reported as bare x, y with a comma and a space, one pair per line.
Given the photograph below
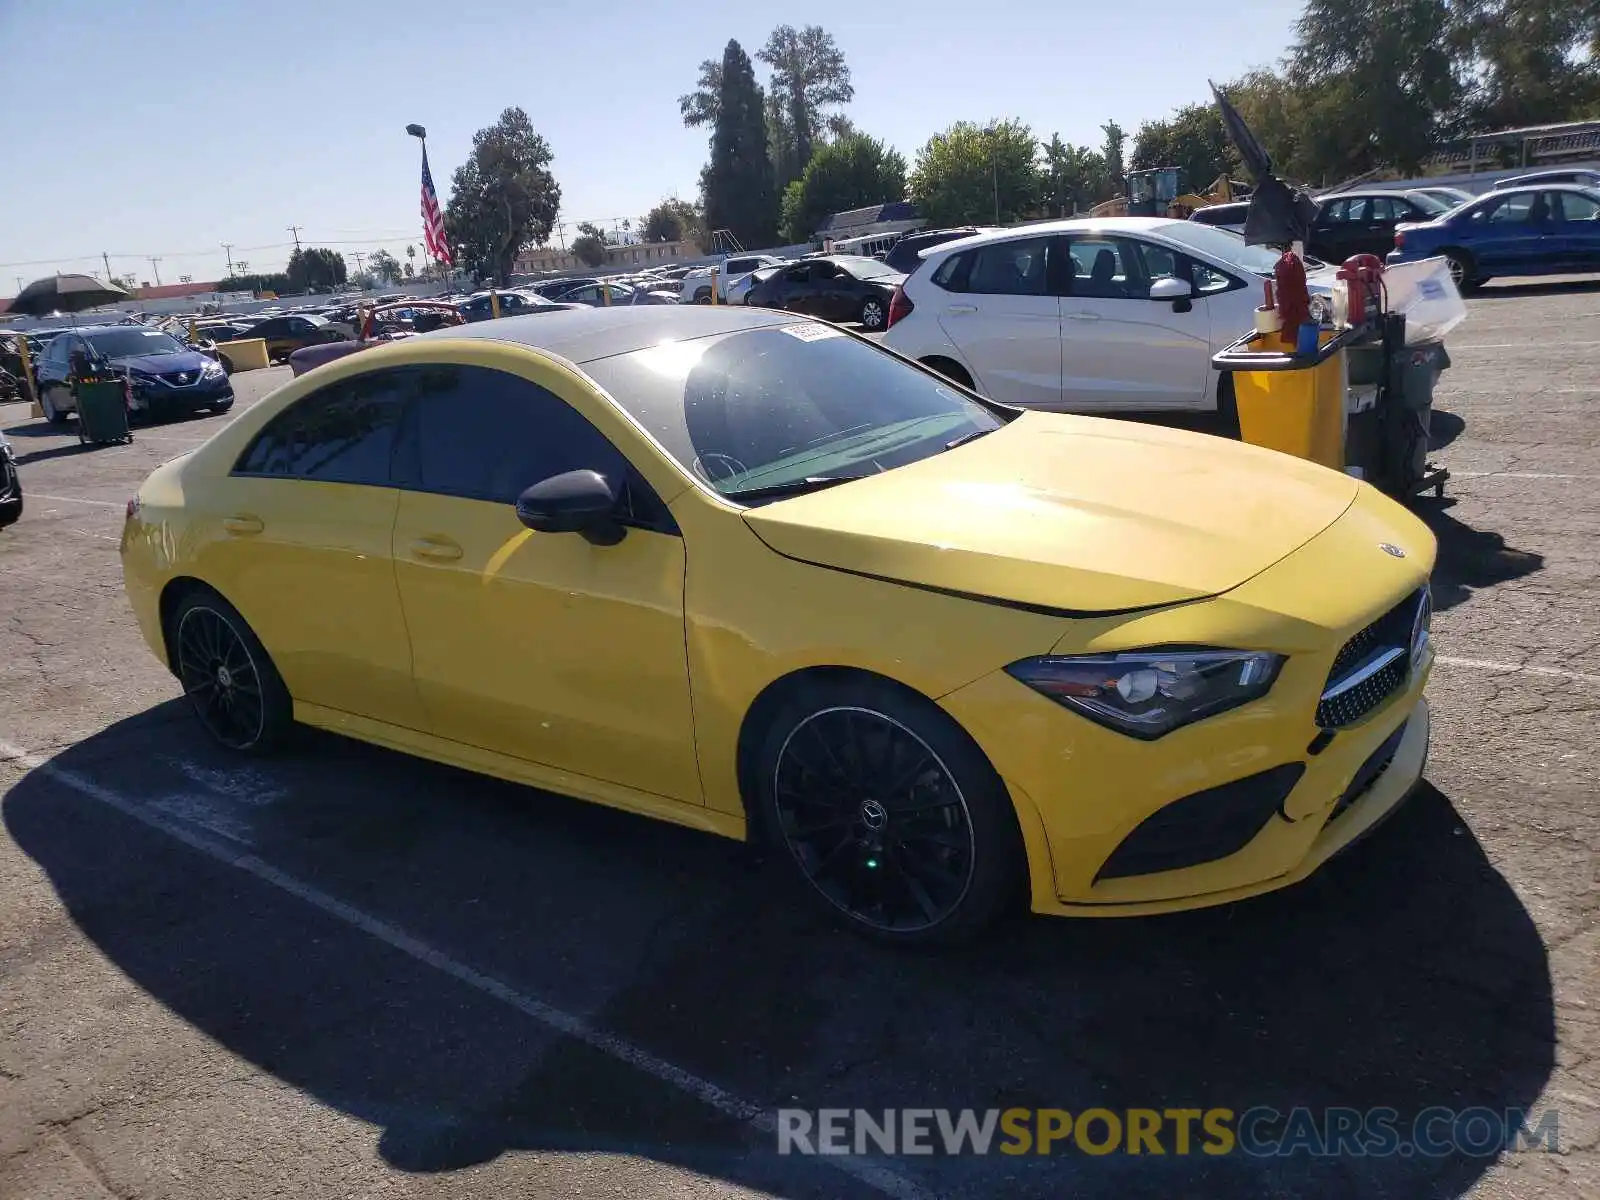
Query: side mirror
582, 502
1178, 291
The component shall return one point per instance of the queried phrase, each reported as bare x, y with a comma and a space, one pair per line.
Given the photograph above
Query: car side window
1207, 280
1104, 268
1383, 209
483, 434
1574, 206
1335, 212
1509, 210
1014, 268
343, 433
951, 274
797, 274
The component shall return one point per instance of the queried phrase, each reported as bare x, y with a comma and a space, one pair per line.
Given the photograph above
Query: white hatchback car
1120, 314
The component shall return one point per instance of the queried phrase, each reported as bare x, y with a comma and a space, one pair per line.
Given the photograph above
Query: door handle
436, 549
243, 526
957, 310
1082, 316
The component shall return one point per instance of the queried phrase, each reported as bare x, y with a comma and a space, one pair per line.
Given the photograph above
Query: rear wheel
10, 494
1463, 272
51, 413
873, 314
703, 296
225, 672
951, 370
891, 816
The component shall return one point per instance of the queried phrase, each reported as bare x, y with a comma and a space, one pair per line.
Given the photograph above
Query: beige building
540, 260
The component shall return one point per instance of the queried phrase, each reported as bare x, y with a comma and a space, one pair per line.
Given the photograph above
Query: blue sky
230, 121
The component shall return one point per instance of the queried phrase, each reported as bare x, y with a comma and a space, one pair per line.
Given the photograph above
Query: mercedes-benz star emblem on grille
1391, 550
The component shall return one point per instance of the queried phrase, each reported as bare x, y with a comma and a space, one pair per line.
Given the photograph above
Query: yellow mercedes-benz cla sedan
753, 574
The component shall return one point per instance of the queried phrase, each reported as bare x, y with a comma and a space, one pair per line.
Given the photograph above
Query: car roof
1045, 228
585, 334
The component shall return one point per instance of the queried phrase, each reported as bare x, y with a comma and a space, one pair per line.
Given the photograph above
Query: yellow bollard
34, 409
494, 304
716, 273
605, 295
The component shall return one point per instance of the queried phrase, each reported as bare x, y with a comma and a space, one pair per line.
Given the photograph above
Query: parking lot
348, 973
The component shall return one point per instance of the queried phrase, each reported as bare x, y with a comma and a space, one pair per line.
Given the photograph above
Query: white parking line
1481, 664
1516, 475
123, 504
752, 1116
1528, 345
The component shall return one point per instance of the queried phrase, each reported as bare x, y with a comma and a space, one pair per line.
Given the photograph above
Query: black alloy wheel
875, 820
220, 676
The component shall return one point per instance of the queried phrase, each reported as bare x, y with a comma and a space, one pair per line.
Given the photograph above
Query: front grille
1370, 772
179, 378
1373, 665
1203, 826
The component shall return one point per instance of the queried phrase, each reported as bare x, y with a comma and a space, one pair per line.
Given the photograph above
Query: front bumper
1240, 803
157, 400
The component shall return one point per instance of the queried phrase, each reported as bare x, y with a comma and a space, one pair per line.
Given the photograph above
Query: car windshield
1223, 245
788, 406
126, 343
865, 268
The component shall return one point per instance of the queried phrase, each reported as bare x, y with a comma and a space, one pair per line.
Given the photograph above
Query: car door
540, 646
1578, 225
303, 549
1121, 351
792, 289
272, 332
1511, 234
998, 309
1330, 231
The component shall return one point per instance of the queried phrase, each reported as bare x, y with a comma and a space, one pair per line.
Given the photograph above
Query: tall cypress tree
739, 193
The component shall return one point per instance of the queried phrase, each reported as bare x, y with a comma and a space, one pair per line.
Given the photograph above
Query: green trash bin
102, 411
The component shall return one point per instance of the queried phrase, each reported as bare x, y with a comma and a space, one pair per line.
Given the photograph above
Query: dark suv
903, 254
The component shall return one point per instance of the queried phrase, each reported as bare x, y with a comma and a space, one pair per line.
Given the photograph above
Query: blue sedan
1549, 230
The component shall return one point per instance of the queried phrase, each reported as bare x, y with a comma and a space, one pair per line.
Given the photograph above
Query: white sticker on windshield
811, 331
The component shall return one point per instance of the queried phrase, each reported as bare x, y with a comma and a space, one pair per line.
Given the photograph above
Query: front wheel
227, 675
873, 315
893, 819
10, 495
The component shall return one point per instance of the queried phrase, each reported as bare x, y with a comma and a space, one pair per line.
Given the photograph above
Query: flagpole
421, 134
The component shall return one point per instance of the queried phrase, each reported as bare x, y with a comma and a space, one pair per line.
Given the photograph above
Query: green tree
1380, 83
315, 268
1192, 139
850, 173
737, 182
1111, 153
699, 107
672, 220
786, 165
809, 75
590, 244
503, 197
1528, 61
977, 173
1073, 177
384, 265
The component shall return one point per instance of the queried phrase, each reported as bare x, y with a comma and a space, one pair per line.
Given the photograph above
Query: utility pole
227, 248
106, 258
155, 270
358, 256
295, 229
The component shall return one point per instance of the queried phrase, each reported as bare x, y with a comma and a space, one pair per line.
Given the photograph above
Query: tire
227, 675
874, 313
10, 495
52, 414
221, 407
1462, 270
934, 857
951, 370
227, 364
703, 296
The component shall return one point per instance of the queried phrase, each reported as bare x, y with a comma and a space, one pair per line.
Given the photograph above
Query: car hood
1072, 514
160, 364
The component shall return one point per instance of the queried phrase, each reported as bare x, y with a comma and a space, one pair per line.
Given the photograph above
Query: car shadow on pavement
1555, 287
1470, 559
1405, 975
1443, 428
33, 456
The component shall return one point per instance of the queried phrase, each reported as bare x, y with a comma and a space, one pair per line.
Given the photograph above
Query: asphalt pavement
348, 973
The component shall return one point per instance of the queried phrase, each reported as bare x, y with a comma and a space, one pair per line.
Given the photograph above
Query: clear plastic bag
1428, 298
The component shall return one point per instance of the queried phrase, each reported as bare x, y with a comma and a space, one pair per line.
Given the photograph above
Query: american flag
432, 219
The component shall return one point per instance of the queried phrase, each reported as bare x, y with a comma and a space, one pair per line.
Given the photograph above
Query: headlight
212, 369
1149, 693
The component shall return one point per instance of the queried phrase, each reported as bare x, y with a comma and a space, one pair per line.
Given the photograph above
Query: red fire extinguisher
1363, 278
